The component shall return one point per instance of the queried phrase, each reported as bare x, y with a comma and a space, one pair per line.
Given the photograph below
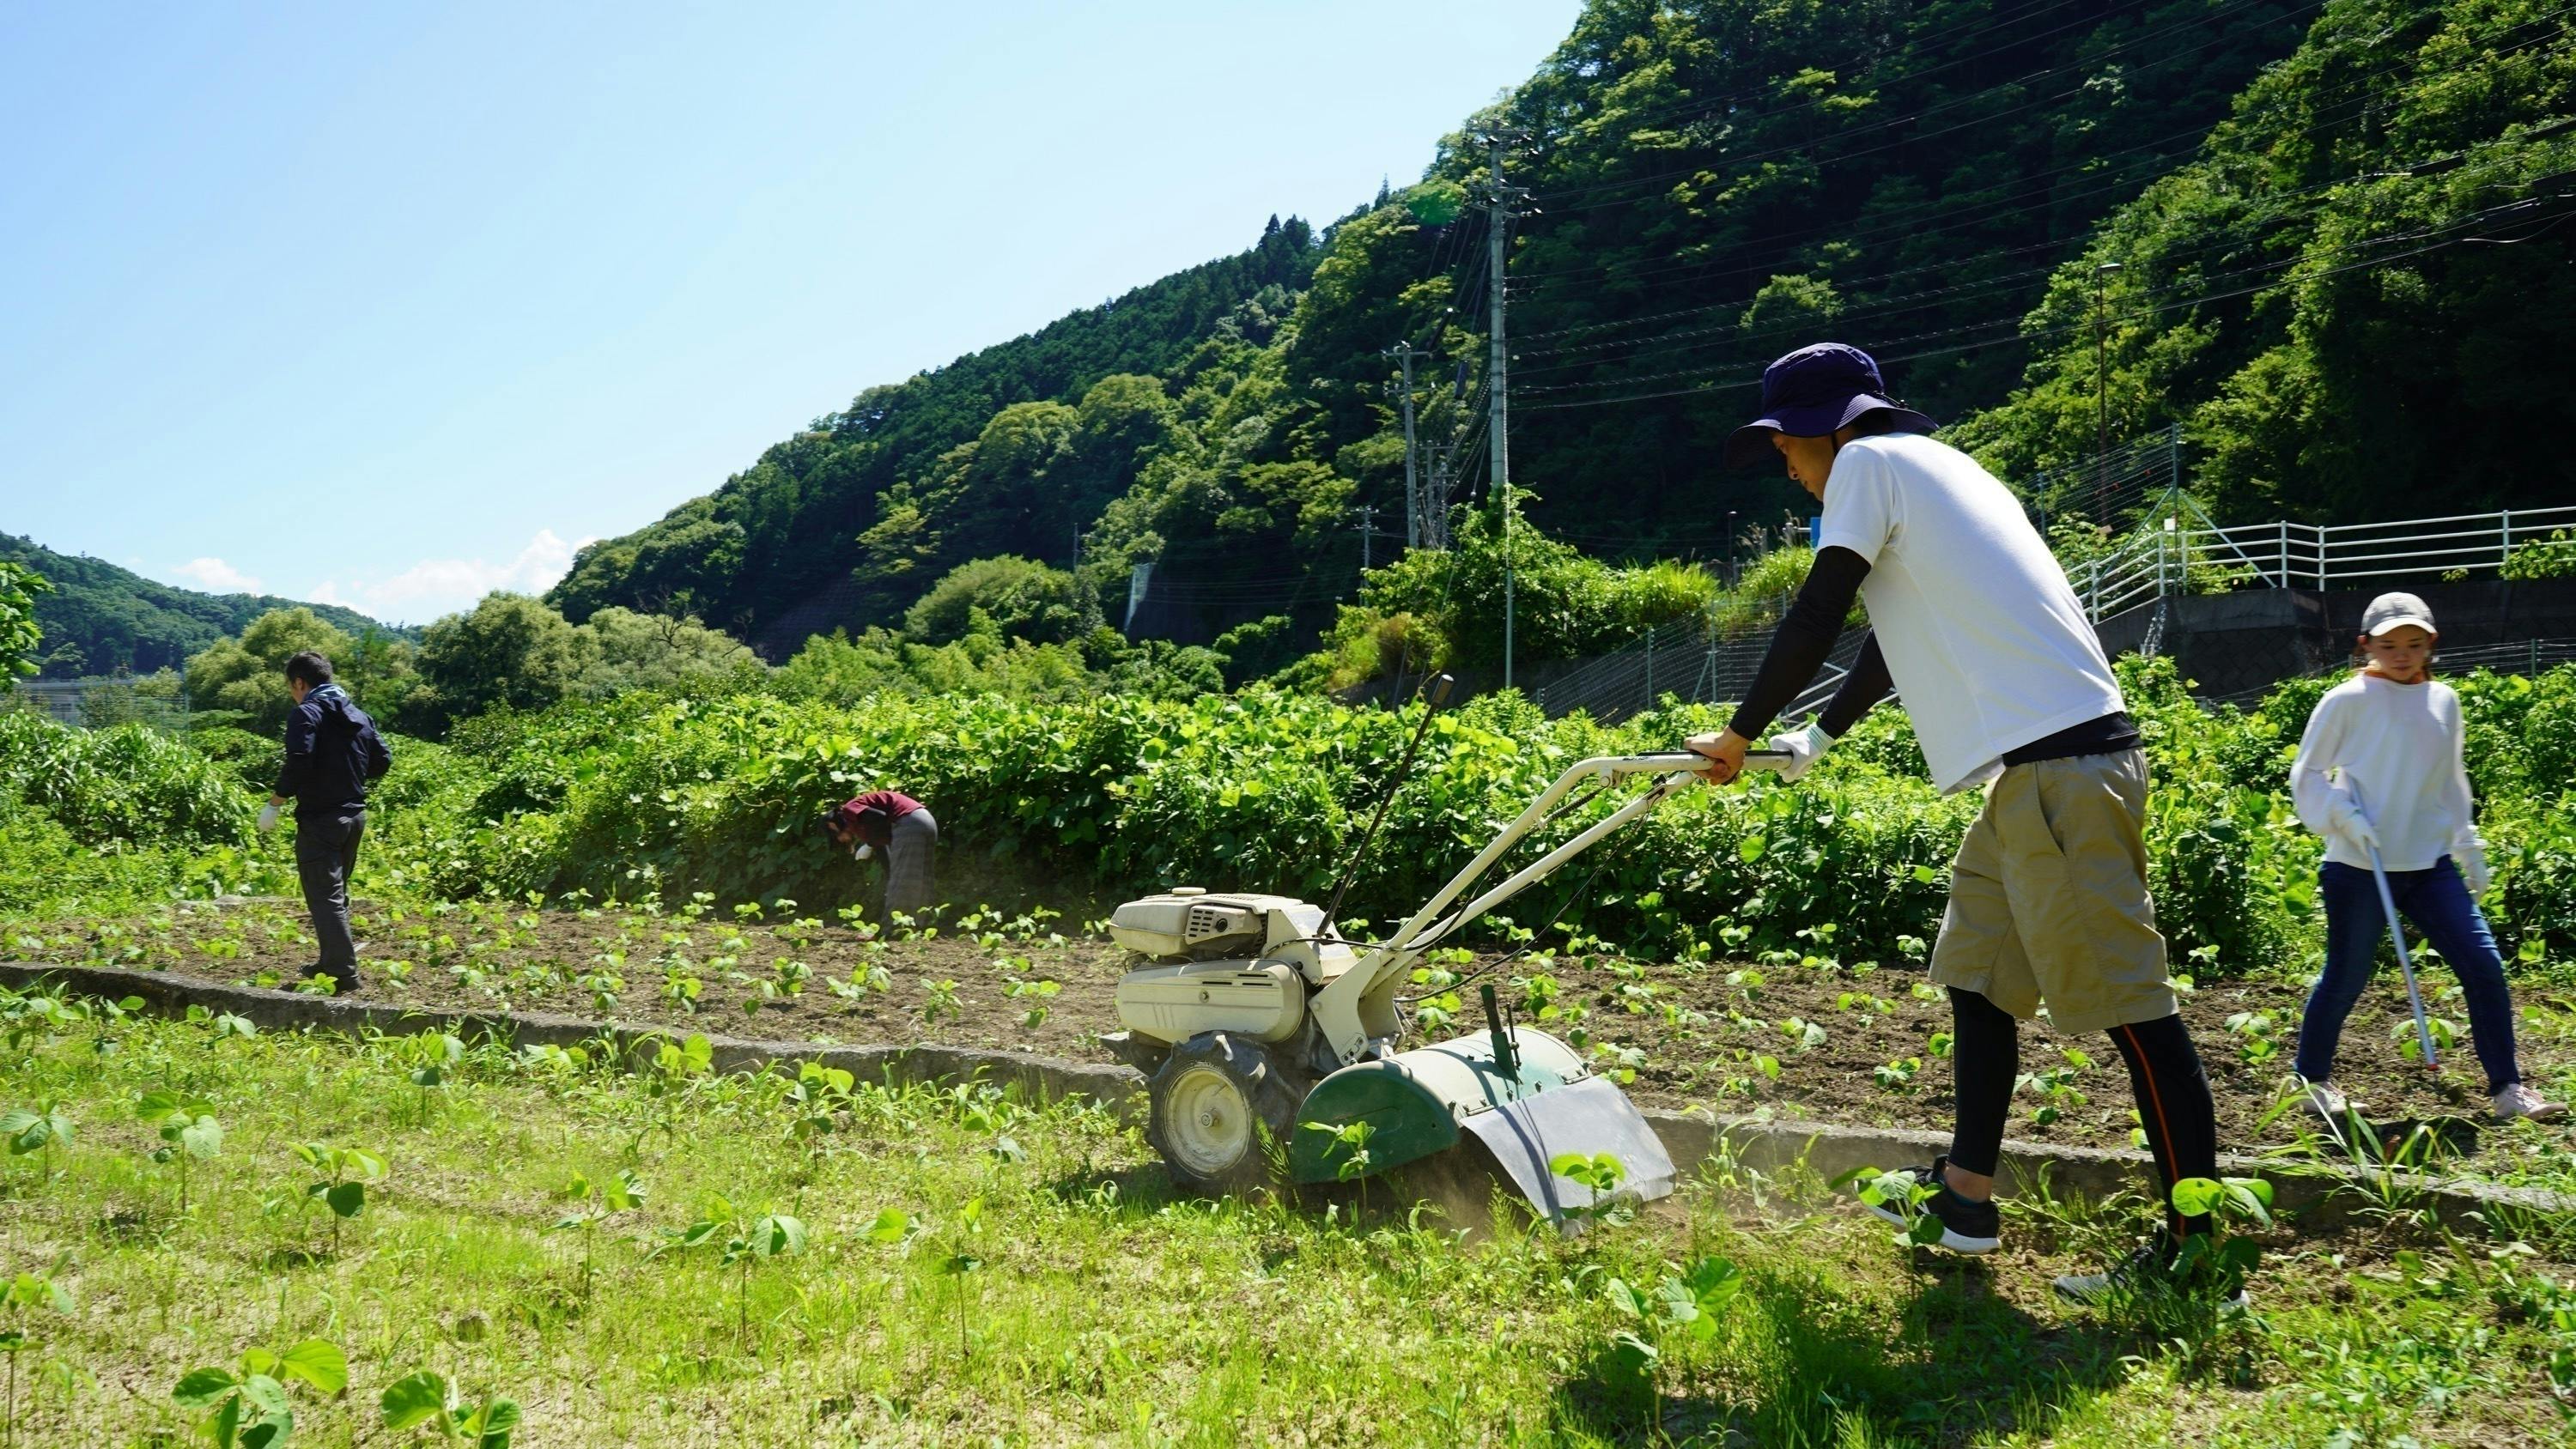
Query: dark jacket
332, 751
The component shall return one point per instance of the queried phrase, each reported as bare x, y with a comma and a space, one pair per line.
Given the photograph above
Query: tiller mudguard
1527, 1112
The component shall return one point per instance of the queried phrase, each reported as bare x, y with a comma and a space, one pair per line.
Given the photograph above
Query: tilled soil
1818, 1041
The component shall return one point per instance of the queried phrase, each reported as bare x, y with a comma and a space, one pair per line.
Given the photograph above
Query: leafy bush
2551, 558
123, 786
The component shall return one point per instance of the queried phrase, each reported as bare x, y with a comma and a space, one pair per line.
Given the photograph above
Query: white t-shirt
1987, 646
2398, 748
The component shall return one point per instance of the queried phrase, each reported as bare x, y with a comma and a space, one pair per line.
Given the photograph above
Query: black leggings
2164, 1074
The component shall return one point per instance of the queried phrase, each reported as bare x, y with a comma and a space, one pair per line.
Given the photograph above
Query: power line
2133, 315
2084, 64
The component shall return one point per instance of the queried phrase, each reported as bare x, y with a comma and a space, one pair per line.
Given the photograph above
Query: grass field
963, 1268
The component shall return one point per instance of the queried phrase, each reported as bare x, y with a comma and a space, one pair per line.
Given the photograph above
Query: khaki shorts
2048, 898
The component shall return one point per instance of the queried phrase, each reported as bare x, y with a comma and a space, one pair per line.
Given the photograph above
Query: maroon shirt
873, 815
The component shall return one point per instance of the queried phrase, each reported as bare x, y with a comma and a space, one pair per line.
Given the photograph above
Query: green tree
623, 651
1022, 598
245, 679
19, 631
509, 650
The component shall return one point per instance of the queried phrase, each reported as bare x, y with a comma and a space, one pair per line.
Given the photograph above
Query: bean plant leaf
203, 1388
2195, 1197
892, 1226
414, 1399
778, 1235
318, 1362
346, 1198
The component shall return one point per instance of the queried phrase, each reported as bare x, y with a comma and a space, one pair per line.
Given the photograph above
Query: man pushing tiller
1974, 628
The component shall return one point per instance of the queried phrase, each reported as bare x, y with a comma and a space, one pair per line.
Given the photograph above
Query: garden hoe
1255, 1019
2397, 938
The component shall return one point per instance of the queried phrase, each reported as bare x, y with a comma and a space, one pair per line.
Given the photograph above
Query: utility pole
1414, 511
1366, 513
1499, 201
2101, 396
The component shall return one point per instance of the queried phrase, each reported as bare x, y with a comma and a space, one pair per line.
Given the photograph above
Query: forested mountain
101, 619
2334, 262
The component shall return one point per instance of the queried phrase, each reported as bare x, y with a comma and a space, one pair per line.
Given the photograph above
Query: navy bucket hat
1813, 393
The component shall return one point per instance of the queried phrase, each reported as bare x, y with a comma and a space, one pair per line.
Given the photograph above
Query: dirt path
1819, 1042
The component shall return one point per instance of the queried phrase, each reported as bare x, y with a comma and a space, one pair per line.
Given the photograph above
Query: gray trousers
908, 886
326, 854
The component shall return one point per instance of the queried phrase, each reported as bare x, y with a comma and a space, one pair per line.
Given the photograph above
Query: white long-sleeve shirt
2396, 749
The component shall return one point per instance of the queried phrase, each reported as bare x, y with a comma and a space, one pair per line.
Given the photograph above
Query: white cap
2396, 611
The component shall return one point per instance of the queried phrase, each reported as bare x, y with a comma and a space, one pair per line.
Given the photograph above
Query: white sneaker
2328, 1102
2519, 1100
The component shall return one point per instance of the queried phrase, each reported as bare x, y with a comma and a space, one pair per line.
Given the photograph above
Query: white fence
2164, 557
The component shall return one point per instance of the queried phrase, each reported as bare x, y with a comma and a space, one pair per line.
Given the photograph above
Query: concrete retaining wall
2321, 1193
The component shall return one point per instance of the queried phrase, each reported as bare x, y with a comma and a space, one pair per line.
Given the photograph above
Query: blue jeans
2439, 903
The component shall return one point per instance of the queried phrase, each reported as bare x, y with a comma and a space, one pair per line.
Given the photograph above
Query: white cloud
218, 576
439, 586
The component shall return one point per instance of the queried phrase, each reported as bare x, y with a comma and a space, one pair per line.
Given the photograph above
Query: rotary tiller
1254, 1018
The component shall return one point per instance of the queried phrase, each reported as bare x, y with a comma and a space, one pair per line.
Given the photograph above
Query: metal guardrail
2511, 656
2160, 560
1689, 660
100, 703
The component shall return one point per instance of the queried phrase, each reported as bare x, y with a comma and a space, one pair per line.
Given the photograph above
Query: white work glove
862, 851
1803, 747
267, 819
2345, 819
2469, 853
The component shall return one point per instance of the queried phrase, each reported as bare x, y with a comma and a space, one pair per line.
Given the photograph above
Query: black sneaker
1967, 1226
2146, 1268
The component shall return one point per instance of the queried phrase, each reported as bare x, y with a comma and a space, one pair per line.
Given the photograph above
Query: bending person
1974, 627
900, 830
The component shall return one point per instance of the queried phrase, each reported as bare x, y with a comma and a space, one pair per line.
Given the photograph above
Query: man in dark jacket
332, 751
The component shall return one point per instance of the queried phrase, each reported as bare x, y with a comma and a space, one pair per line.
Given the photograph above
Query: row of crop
1269, 791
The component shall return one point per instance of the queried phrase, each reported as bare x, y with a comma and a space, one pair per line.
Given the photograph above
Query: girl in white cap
2380, 768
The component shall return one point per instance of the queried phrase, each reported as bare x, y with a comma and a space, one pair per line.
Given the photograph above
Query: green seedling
741, 1240
188, 1129
2446, 1036
23, 1293
816, 1099
1351, 1141
248, 1406
961, 1261
1619, 1063
1039, 993
1691, 1302
1599, 1174
1902, 1192
668, 1069
595, 1203
2260, 1032
2057, 1091
346, 1171
37, 1129
940, 1000
428, 1058
1898, 1075
426, 1400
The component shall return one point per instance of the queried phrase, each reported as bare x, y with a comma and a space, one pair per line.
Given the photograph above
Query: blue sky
392, 305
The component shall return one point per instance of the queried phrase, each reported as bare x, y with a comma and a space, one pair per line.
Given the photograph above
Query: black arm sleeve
1805, 636
1865, 686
